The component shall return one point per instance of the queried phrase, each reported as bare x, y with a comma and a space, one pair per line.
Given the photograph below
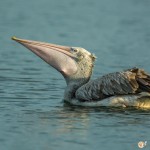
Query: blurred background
32, 114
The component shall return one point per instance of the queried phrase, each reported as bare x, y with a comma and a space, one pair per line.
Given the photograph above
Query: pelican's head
74, 63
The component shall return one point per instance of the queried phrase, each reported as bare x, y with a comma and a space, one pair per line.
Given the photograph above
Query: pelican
126, 88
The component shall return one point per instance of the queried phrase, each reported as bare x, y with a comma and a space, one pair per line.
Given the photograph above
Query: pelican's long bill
59, 57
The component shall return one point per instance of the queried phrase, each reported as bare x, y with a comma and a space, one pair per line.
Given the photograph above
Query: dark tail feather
143, 79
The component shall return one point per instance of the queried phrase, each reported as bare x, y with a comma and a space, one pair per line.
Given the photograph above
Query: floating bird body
127, 88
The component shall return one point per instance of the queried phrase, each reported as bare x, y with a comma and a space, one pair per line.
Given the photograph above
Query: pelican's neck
81, 77
73, 86
75, 82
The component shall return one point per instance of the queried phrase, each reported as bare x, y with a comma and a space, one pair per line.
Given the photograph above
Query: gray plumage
131, 81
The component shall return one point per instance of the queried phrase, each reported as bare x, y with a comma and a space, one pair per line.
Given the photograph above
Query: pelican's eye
74, 50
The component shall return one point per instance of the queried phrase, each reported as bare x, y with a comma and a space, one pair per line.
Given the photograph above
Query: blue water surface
32, 114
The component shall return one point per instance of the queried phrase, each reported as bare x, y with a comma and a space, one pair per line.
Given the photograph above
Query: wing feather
131, 81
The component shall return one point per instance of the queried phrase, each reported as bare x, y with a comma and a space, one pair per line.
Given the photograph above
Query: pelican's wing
131, 81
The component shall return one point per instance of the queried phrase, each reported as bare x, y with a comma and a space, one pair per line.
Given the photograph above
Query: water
32, 114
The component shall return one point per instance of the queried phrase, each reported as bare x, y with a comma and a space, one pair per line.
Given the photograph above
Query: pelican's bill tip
14, 38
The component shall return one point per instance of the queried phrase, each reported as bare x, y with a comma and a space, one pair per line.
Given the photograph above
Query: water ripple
32, 113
